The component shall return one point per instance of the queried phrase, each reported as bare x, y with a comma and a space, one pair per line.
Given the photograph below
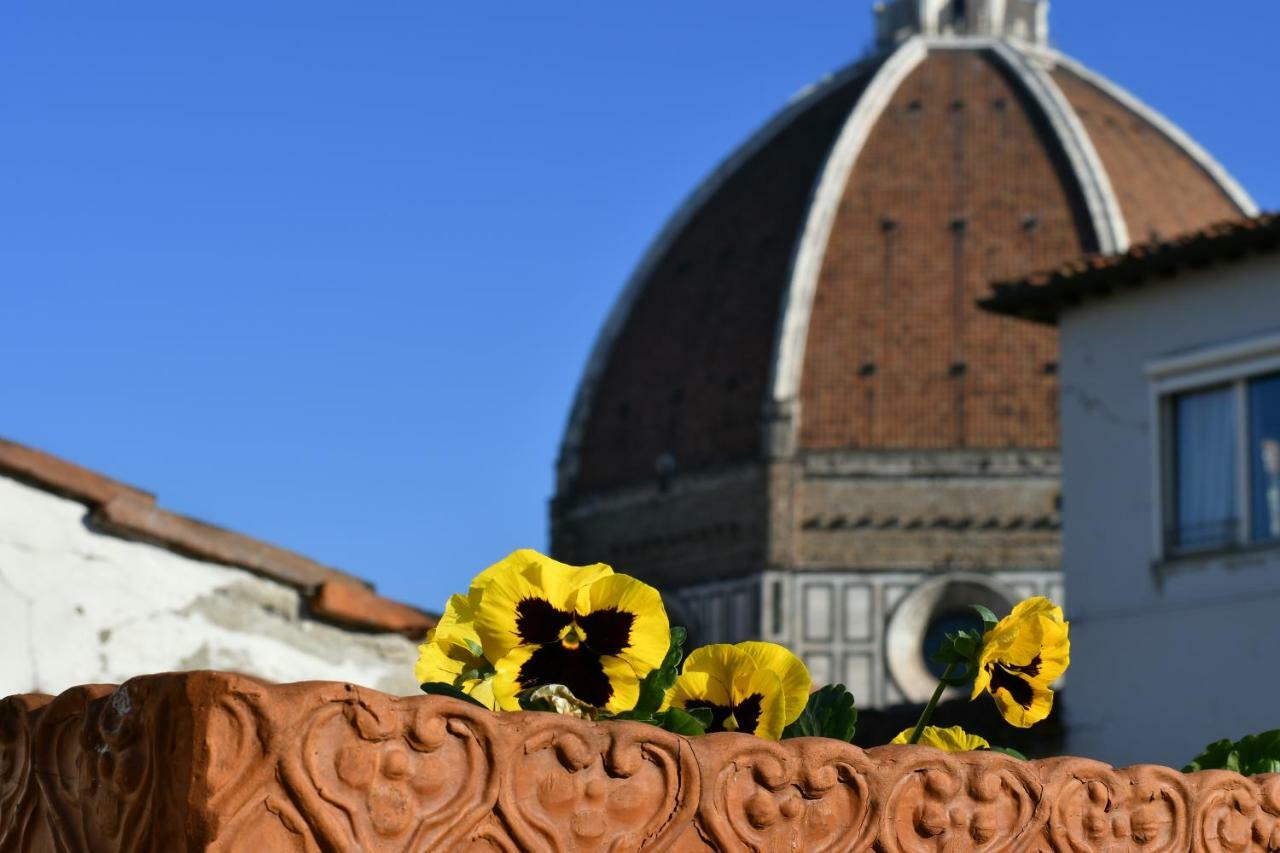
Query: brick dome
818, 291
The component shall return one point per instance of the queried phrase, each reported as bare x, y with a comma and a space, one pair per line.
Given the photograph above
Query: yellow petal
625, 684
650, 634
1055, 649
980, 683
506, 679
1034, 630
491, 693
954, 739
435, 665
791, 671
762, 689
697, 687
721, 661
525, 575
1016, 714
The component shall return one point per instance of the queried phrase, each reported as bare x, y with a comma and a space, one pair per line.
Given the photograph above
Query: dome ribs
959, 184
1163, 192
706, 314
829, 273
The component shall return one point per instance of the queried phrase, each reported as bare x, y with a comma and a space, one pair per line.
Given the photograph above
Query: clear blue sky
328, 277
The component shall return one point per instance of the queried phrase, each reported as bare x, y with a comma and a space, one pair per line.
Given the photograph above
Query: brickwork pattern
960, 183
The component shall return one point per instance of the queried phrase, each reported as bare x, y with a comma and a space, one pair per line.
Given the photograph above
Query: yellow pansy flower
954, 739
755, 688
1021, 656
452, 652
596, 632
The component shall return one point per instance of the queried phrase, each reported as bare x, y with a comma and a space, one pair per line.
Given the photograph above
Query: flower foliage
1249, 756
536, 634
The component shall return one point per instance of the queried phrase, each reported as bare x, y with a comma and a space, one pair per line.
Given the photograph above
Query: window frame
1228, 365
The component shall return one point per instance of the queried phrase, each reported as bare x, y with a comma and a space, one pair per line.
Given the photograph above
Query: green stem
927, 714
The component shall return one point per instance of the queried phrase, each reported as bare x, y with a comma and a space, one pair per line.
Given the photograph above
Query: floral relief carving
807, 794
965, 801
590, 787
1096, 808
223, 762
376, 773
1237, 814
19, 791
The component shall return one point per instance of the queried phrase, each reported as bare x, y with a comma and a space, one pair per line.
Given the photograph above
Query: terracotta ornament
213, 761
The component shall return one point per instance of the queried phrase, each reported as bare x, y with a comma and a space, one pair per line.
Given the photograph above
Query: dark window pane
1205, 509
1264, 456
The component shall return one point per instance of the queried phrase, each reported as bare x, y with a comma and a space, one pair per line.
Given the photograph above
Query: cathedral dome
818, 291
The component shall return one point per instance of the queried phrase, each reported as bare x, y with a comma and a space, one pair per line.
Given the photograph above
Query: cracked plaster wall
77, 607
1165, 657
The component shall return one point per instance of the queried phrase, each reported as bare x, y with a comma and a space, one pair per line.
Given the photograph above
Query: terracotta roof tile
362, 608
130, 513
1043, 296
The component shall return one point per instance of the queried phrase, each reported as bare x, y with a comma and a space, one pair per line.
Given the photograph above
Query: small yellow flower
1021, 657
755, 688
452, 652
598, 633
954, 739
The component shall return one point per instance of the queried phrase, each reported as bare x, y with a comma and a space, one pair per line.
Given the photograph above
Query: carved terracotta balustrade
223, 762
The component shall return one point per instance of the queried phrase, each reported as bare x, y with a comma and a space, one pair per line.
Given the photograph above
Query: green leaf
654, 686
681, 722
702, 715
989, 619
1005, 750
440, 688
830, 712
960, 647
475, 648
1249, 756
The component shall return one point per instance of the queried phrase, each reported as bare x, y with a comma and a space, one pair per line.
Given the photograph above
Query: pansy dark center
743, 717
1002, 678
570, 647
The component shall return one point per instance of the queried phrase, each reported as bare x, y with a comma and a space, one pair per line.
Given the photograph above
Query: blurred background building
1171, 448
796, 420
99, 584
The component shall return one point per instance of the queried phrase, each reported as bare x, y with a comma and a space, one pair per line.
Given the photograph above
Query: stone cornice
224, 762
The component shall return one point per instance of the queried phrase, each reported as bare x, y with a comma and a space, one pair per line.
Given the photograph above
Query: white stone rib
793, 323
1091, 176
1203, 159
621, 310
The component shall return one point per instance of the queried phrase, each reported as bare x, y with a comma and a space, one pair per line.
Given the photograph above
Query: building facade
795, 420
1171, 453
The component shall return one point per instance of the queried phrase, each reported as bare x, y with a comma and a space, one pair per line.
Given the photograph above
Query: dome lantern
1024, 20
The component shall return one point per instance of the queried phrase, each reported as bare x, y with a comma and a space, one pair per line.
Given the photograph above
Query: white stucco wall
1165, 658
78, 607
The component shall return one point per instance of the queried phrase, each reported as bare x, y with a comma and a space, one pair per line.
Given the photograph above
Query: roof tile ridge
64, 478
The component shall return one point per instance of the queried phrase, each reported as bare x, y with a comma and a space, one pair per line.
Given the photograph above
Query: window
1222, 458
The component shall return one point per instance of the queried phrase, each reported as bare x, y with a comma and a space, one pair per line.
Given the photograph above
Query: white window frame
1231, 365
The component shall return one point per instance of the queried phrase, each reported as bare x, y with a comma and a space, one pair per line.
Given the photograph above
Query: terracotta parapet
217, 761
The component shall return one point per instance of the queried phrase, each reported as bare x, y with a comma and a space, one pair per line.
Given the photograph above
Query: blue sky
328, 277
